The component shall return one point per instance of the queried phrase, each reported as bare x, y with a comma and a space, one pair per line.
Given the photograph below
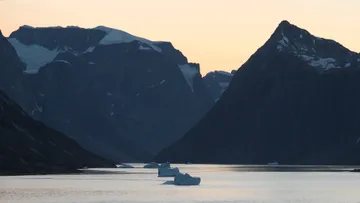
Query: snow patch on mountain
142, 47
37, 107
90, 49
189, 73
70, 50
63, 61
309, 48
34, 56
324, 63
283, 42
117, 36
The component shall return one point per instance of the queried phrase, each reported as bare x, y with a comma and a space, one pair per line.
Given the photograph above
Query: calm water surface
219, 184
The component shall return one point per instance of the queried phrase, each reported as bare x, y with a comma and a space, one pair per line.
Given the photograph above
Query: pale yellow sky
218, 34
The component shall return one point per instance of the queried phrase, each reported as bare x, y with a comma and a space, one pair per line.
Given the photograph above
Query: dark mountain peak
217, 82
321, 53
285, 24
280, 107
219, 74
289, 37
168, 49
1, 35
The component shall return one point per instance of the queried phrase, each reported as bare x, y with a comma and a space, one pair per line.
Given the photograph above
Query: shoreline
235, 168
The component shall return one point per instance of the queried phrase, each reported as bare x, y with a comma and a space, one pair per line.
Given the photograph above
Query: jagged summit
321, 53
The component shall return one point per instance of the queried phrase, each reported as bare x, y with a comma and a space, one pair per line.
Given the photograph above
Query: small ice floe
151, 165
168, 172
156, 165
273, 163
184, 179
124, 166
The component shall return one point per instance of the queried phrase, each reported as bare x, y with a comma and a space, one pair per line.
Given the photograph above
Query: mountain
120, 96
295, 101
217, 82
29, 147
11, 73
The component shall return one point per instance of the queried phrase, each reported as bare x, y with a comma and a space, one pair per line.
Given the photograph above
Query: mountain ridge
121, 99
281, 107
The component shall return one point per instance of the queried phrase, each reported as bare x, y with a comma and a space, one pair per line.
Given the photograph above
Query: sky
218, 34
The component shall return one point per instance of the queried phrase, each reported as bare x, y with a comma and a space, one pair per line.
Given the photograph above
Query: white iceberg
124, 166
156, 165
186, 179
151, 165
168, 172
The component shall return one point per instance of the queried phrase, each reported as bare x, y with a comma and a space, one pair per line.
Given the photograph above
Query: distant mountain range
217, 82
295, 101
120, 96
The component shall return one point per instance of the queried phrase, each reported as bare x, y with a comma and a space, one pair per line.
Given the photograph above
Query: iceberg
151, 165
156, 165
124, 166
168, 172
186, 179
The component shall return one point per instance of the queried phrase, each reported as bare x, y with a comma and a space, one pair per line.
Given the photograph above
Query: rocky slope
29, 147
295, 101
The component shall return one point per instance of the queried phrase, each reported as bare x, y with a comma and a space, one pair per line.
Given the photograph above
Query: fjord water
219, 184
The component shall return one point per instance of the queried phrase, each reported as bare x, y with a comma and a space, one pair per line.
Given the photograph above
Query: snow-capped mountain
295, 101
120, 96
29, 147
217, 82
39, 46
322, 54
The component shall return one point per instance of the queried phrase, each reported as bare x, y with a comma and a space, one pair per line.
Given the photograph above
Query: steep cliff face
11, 73
29, 147
295, 101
